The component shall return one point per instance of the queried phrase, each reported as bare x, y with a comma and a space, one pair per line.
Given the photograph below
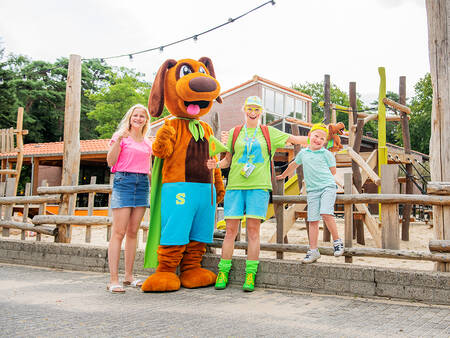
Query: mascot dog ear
209, 65
156, 99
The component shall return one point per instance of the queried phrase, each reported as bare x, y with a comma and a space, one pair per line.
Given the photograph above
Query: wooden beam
279, 215
438, 188
439, 245
30, 199
327, 99
357, 252
71, 219
371, 117
396, 105
50, 231
372, 198
364, 166
77, 189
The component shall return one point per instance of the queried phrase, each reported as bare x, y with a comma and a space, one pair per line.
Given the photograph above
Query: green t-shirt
260, 178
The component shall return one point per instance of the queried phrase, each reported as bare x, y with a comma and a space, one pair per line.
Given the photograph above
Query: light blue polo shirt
316, 168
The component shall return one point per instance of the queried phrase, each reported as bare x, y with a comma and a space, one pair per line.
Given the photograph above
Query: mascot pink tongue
193, 109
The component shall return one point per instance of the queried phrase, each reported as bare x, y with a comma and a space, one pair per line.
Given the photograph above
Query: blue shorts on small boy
253, 203
321, 202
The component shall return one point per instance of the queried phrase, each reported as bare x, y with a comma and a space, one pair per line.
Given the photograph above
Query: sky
293, 41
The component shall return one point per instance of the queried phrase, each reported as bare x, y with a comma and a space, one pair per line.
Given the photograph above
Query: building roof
259, 79
57, 148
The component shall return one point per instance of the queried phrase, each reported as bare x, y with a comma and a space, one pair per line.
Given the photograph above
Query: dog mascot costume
184, 199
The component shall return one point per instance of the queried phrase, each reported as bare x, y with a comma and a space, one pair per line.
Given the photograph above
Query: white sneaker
311, 256
338, 247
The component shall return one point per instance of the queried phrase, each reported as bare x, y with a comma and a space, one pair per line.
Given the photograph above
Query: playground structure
11, 141
363, 166
386, 235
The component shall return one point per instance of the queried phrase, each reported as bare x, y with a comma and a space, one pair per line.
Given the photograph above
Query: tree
420, 123
112, 102
337, 96
40, 88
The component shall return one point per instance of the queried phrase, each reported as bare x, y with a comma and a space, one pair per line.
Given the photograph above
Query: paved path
47, 302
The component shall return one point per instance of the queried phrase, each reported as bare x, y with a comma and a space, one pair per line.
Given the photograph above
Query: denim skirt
130, 190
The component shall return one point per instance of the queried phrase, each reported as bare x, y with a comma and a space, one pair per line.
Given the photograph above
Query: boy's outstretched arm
333, 170
289, 170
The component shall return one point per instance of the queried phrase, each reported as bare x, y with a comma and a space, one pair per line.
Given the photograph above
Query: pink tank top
134, 156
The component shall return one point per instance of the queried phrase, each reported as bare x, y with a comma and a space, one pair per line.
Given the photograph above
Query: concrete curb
338, 279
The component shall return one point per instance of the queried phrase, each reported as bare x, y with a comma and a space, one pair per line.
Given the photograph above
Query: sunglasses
251, 109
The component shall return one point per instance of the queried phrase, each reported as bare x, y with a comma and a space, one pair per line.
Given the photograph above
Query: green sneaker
222, 280
249, 284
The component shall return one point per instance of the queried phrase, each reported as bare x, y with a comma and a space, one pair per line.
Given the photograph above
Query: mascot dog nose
202, 84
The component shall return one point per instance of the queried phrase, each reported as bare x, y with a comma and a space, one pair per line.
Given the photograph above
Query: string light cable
194, 37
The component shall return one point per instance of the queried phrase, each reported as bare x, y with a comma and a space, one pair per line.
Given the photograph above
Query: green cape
154, 231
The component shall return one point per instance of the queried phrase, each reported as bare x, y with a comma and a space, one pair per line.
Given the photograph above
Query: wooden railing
48, 224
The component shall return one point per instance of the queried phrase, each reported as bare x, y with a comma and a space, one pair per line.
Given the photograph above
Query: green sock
224, 265
251, 266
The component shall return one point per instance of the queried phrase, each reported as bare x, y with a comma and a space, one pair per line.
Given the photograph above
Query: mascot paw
161, 281
165, 133
220, 196
198, 277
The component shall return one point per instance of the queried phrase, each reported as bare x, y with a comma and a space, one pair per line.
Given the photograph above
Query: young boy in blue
319, 168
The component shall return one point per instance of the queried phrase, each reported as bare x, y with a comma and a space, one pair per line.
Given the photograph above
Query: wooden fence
43, 223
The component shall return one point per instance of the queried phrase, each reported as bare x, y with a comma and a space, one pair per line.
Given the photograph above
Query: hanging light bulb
1, 80
24, 77
131, 57
161, 49
195, 38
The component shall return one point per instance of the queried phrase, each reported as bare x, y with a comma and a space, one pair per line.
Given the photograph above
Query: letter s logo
180, 198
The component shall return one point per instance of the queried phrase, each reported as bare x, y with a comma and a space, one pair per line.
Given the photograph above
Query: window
269, 100
279, 103
299, 110
289, 111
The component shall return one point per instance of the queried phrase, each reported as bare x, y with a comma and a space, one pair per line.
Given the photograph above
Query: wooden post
42, 210
356, 146
278, 189
390, 236
327, 99
299, 170
19, 138
25, 210
348, 216
438, 12
91, 199
35, 175
71, 160
326, 236
406, 214
10, 186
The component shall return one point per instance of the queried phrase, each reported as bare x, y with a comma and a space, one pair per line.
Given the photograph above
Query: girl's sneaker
221, 281
311, 256
338, 247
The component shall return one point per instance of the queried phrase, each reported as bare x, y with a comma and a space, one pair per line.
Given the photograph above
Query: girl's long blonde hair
125, 122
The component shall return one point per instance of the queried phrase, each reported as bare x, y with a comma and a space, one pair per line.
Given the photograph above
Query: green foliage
337, 96
113, 101
40, 87
420, 123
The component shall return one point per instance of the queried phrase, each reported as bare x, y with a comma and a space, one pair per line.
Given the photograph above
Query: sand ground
420, 234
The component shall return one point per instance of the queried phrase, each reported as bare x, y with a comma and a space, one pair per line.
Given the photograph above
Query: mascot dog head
187, 88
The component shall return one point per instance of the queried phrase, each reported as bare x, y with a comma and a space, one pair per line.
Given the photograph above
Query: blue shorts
253, 203
321, 203
187, 213
130, 190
